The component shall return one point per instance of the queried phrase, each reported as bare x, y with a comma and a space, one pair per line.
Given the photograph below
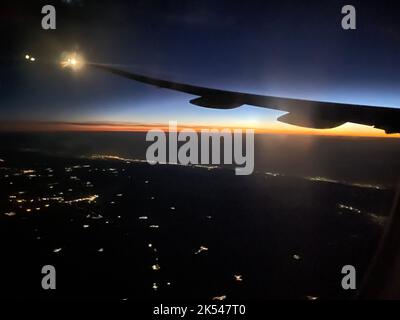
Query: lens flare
72, 60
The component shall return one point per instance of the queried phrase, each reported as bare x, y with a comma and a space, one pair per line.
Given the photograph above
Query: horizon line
110, 126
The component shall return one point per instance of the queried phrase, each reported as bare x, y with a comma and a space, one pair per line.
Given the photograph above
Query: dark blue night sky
283, 48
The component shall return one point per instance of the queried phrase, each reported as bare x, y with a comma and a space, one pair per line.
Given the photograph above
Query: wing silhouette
304, 113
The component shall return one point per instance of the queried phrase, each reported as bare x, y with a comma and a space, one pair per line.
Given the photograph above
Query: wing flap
304, 120
217, 102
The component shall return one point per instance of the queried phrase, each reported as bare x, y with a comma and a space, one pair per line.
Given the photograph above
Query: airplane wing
304, 113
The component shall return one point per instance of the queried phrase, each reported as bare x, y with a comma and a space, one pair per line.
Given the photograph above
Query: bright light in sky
29, 58
72, 60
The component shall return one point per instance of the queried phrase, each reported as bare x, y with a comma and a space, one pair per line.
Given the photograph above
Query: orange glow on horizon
349, 129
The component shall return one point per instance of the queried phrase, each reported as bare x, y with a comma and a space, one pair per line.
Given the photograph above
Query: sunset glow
349, 129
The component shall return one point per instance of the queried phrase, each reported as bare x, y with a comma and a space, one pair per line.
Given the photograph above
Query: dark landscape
116, 227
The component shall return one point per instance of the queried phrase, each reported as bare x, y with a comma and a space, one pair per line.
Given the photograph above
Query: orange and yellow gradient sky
348, 129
